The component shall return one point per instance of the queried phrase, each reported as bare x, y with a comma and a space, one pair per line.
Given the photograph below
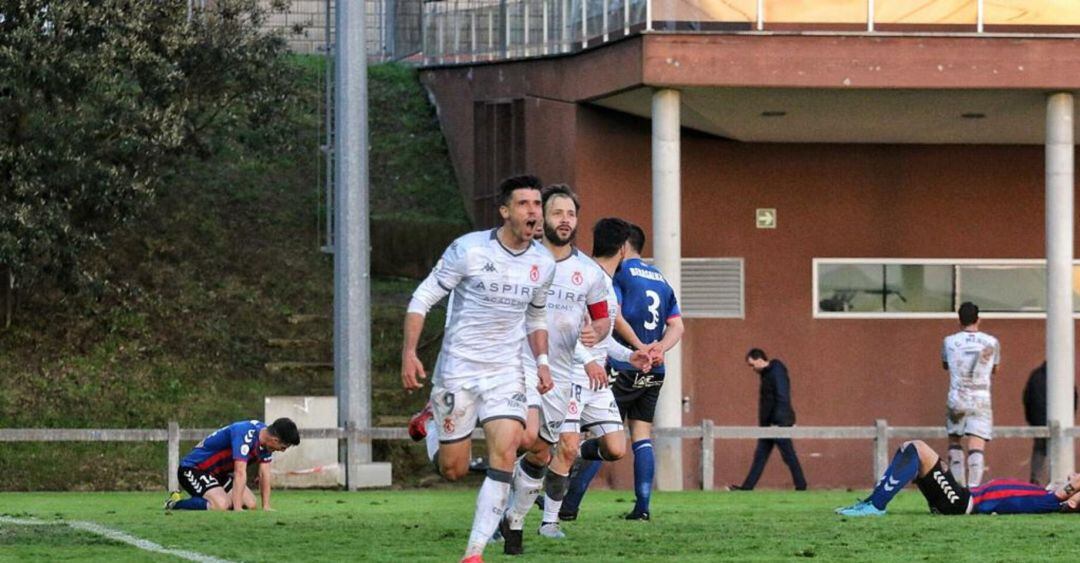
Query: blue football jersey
1007, 496
237, 441
646, 301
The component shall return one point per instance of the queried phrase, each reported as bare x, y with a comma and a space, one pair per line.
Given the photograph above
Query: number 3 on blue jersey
654, 309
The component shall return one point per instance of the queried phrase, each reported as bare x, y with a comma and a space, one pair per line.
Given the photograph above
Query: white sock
526, 488
432, 438
956, 465
975, 467
490, 504
551, 509
556, 488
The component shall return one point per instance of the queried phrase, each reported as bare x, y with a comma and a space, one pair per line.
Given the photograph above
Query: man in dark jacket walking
1035, 414
774, 409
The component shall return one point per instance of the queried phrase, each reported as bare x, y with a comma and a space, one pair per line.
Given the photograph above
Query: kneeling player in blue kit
916, 461
215, 472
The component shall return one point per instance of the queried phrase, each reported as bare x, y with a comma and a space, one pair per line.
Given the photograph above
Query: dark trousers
761, 455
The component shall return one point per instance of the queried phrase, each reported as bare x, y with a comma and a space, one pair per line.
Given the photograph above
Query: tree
99, 101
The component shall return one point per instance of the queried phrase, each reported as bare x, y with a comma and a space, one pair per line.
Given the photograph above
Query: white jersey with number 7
971, 358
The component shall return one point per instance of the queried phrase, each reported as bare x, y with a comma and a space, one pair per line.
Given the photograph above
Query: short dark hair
608, 236
285, 430
969, 313
637, 238
757, 354
559, 190
507, 186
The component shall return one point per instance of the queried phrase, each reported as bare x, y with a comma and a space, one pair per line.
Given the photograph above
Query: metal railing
706, 432
469, 31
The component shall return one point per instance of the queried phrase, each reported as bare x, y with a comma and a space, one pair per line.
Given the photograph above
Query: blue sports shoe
861, 508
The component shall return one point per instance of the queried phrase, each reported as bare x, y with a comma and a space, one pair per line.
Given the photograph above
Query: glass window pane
850, 287
917, 288
1003, 288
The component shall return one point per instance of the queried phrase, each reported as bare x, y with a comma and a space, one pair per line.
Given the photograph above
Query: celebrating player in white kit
500, 280
577, 291
970, 357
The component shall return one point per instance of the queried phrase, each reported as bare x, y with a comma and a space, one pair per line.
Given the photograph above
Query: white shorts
532, 396
599, 412
458, 410
560, 411
974, 422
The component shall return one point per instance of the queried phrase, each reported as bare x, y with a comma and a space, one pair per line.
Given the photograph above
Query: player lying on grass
215, 472
916, 461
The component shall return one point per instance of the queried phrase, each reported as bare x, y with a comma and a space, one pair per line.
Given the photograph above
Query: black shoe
635, 515
567, 516
512, 539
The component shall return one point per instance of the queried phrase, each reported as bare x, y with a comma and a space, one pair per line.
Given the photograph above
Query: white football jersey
971, 358
578, 283
598, 352
492, 287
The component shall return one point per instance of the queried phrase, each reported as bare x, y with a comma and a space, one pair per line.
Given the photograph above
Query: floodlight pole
1060, 344
352, 283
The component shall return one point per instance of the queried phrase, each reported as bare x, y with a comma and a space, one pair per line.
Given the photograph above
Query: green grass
434, 526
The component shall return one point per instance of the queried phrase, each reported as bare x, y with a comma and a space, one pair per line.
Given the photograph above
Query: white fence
707, 433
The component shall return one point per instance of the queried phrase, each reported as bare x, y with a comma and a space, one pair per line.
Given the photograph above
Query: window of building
712, 288
932, 288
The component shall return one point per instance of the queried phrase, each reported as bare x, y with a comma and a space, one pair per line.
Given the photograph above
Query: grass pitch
433, 525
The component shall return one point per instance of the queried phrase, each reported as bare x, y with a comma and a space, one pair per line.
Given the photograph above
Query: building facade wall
833, 201
872, 201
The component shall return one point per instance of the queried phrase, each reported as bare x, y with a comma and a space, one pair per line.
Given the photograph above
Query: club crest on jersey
577, 278
448, 425
534, 273
572, 408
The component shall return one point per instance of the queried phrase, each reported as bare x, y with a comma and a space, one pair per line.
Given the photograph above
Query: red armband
598, 310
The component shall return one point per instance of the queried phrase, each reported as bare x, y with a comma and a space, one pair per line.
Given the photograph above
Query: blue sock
193, 503
579, 484
644, 466
903, 469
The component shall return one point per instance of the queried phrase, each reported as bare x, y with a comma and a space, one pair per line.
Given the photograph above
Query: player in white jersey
500, 280
971, 357
422, 424
577, 291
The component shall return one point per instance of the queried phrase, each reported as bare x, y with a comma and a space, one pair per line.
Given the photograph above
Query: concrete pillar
667, 253
1060, 346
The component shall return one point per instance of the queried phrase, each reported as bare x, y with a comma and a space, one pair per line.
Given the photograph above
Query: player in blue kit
916, 461
653, 323
215, 472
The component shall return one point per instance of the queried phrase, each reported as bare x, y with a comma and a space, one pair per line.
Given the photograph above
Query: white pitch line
117, 535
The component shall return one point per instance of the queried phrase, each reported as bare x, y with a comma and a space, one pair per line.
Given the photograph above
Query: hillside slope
178, 322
